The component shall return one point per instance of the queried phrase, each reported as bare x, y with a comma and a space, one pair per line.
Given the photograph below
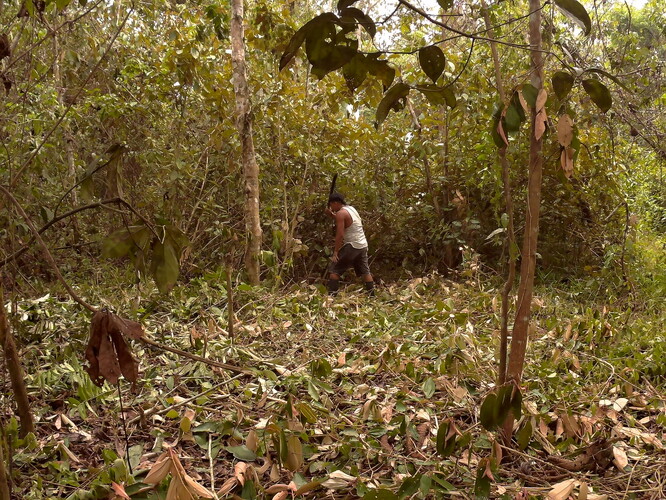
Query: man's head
336, 201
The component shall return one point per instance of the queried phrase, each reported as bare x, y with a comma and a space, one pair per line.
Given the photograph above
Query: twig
122, 418
185, 354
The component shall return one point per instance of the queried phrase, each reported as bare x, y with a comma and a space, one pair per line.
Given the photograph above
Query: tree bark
244, 126
4, 482
530, 238
15, 371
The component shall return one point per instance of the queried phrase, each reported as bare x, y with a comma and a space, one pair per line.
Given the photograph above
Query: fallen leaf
562, 490
620, 458
159, 470
119, 490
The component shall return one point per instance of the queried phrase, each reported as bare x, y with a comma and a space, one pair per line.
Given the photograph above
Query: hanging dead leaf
128, 328
500, 131
540, 124
107, 352
541, 99
566, 160
523, 102
565, 130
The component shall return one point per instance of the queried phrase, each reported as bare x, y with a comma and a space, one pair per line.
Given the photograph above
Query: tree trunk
4, 482
528, 263
244, 125
15, 371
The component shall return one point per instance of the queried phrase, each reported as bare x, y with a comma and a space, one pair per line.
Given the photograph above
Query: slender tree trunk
528, 262
244, 125
508, 199
15, 371
4, 482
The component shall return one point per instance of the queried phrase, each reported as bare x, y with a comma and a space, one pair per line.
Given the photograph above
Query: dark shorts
351, 257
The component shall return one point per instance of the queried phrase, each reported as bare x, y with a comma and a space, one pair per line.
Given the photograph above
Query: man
351, 247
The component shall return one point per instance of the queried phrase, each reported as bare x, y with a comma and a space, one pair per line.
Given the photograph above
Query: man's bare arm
339, 232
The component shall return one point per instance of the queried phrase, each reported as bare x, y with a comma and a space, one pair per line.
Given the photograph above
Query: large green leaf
292, 47
165, 266
577, 12
355, 71
512, 119
438, 95
336, 58
312, 29
362, 18
445, 4
530, 93
489, 411
432, 61
393, 99
599, 93
380, 494
241, 453
562, 84
381, 69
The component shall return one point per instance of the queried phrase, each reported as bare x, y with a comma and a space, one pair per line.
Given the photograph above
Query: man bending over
351, 247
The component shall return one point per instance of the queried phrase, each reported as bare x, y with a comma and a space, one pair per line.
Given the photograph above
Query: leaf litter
350, 397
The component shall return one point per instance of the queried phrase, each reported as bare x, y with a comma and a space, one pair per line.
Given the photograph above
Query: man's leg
333, 284
369, 284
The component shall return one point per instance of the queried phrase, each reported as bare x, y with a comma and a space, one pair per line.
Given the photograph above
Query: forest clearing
187, 190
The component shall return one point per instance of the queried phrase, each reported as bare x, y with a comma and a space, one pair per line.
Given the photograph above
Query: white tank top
354, 234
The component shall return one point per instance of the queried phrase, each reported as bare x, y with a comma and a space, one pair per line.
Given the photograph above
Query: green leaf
362, 18
481, 485
445, 4
355, 71
241, 453
428, 387
512, 119
489, 412
381, 69
409, 486
599, 94
61, 4
336, 58
524, 435
249, 491
530, 94
424, 484
438, 96
577, 12
562, 84
392, 100
516, 402
432, 61
381, 494
164, 266
292, 47
316, 27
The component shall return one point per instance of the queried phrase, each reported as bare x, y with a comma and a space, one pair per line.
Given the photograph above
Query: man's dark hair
336, 197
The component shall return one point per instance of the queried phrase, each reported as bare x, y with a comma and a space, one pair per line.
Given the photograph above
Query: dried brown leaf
277, 488
620, 458
119, 490
252, 440
541, 99
159, 470
239, 472
128, 365
228, 486
565, 130
540, 124
97, 330
500, 131
281, 495
561, 491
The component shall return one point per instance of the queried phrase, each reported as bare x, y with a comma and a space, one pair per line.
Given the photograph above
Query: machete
335, 178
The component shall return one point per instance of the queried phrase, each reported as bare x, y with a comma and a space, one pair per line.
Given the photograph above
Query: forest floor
356, 397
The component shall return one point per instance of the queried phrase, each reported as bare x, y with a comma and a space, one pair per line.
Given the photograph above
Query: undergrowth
347, 397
